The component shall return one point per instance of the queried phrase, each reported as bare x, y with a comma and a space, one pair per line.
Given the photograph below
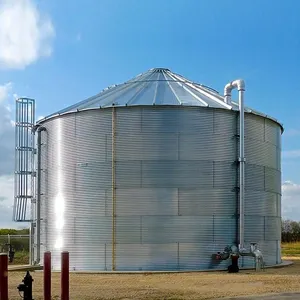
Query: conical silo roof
157, 86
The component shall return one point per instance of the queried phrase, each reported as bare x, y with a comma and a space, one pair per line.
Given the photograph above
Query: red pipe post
3, 276
47, 276
65, 275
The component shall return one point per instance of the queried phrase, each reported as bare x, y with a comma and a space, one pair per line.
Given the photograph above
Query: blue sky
84, 46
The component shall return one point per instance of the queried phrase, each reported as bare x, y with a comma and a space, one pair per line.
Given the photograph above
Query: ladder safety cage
24, 194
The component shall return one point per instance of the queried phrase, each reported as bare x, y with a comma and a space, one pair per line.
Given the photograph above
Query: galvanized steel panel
272, 228
278, 205
272, 133
94, 257
177, 173
197, 202
175, 119
147, 146
176, 229
203, 145
254, 127
254, 228
129, 230
254, 178
261, 153
176, 187
225, 122
261, 203
92, 176
95, 232
126, 125
273, 180
146, 201
224, 175
224, 229
198, 256
146, 257
128, 174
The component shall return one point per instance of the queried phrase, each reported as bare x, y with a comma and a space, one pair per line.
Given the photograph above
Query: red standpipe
47, 276
65, 276
3, 277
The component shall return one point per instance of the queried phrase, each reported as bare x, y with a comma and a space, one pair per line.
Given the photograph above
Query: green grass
21, 258
290, 249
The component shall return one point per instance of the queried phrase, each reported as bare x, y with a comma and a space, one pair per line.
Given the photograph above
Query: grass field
21, 258
290, 249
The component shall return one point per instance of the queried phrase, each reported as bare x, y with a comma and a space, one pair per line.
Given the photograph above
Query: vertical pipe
240, 85
30, 243
65, 275
38, 198
113, 171
47, 276
33, 175
242, 167
3, 276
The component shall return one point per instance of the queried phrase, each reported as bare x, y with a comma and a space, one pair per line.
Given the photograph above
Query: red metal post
65, 276
47, 276
3, 277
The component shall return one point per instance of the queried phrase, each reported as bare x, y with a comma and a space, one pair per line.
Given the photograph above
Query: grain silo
148, 175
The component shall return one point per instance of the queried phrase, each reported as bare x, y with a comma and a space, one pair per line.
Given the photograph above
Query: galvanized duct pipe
113, 171
240, 86
38, 197
231, 251
257, 254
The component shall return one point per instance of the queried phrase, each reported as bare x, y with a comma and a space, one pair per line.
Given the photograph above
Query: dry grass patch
290, 249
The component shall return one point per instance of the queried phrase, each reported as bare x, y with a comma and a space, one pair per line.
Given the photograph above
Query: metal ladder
24, 160
24, 192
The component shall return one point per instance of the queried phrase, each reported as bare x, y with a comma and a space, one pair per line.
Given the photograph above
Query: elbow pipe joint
41, 128
238, 84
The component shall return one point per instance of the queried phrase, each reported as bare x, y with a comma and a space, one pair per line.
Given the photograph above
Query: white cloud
291, 200
6, 130
6, 155
6, 201
25, 34
5, 90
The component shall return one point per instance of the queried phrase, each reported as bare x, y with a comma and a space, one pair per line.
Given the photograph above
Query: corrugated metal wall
176, 187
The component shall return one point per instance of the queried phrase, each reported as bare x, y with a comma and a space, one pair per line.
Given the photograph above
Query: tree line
5, 231
290, 231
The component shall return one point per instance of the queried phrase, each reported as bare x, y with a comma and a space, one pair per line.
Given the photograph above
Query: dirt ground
212, 285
